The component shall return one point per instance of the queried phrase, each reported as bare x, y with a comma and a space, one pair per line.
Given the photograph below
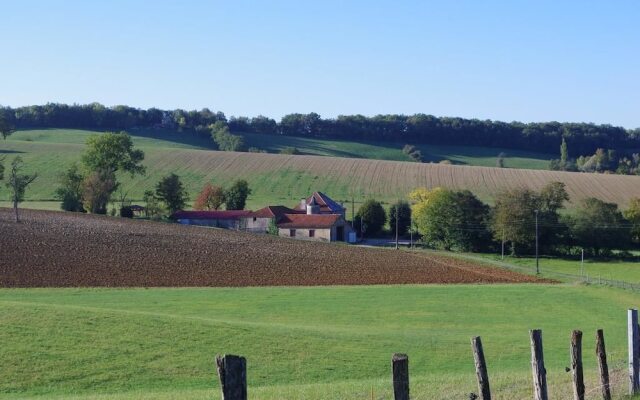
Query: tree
236, 195
171, 191
633, 215
105, 155
6, 128
514, 217
210, 198
371, 217
70, 190
97, 188
564, 153
599, 227
152, 207
225, 140
113, 152
403, 211
454, 220
17, 183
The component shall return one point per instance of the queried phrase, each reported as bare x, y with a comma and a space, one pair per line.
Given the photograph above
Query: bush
126, 212
371, 217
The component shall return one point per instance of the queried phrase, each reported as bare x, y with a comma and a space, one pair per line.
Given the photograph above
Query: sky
502, 60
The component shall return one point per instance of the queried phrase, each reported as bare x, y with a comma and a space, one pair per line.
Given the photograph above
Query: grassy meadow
311, 343
282, 179
613, 269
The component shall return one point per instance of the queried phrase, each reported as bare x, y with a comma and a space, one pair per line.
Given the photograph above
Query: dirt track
55, 249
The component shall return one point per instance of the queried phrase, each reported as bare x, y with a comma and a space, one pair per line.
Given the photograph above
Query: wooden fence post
601, 353
576, 365
537, 365
400, 368
634, 351
232, 371
481, 369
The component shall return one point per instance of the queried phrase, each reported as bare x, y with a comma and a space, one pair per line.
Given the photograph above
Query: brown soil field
56, 249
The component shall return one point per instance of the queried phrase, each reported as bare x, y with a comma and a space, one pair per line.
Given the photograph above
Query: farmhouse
230, 219
317, 217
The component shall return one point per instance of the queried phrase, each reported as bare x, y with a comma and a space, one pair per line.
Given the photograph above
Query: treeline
584, 138
520, 218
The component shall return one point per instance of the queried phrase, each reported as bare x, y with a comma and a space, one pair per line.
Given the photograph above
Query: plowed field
55, 249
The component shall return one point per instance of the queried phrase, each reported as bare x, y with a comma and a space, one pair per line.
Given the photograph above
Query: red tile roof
226, 214
273, 212
306, 221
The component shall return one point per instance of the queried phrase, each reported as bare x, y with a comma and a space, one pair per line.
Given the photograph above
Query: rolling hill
276, 178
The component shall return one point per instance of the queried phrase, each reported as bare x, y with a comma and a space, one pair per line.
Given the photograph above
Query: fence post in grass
576, 365
400, 367
232, 371
634, 351
481, 369
601, 353
537, 365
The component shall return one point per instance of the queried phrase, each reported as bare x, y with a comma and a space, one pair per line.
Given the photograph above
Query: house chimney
313, 207
303, 203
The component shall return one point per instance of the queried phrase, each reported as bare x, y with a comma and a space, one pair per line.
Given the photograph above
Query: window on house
292, 232
312, 233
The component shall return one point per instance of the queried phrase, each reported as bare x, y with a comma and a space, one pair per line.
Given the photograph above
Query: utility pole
411, 231
353, 211
503, 243
582, 264
537, 260
397, 226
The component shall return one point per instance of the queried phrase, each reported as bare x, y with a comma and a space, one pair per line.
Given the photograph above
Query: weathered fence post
400, 368
634, 351
601, 353
481, 369
576, 365
232, 371
537, 365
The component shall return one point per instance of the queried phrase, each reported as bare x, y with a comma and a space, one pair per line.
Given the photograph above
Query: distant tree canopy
581, 138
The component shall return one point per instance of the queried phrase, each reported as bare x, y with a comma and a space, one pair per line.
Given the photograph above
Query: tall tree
400, 210
236, 196
97, 188
564, 153
633, 215
171, 191
113, 152
17, 183
6, 128
371, 217
454, 220
70, 190
210, 198
106, 155
599, 227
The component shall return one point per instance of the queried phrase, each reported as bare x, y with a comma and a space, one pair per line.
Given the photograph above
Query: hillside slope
284, 179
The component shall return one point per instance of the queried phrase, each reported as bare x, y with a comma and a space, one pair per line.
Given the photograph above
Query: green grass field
311, 343
628, 271
462, 155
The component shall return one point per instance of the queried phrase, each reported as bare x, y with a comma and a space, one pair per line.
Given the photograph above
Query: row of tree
585, 138
457, 220
623, 162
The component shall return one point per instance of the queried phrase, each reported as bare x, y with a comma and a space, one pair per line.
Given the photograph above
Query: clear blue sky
509, 60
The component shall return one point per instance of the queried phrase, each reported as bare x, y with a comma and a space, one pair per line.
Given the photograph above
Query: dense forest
582, 138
